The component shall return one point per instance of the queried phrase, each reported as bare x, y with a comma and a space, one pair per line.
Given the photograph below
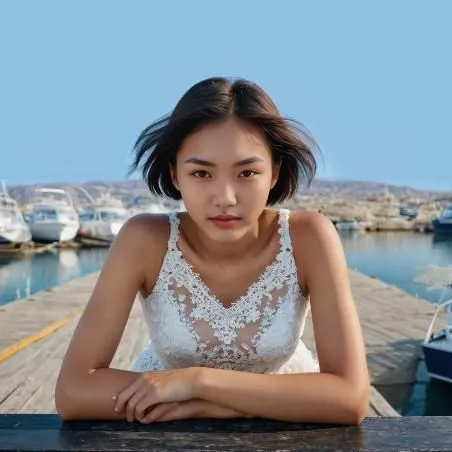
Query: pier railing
31, 432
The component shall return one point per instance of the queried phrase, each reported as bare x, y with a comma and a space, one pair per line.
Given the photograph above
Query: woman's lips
225, 221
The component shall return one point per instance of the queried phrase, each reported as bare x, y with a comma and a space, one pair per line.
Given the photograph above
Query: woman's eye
248, 173
200, 173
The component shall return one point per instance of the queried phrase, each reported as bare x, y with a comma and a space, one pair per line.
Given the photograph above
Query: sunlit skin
224, 168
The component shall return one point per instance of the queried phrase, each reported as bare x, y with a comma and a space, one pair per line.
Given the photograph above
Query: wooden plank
28, 379
27, 432
24, 318
379, 406
393, 324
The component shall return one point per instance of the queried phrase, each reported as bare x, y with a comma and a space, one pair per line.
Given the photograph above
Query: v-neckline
252, 287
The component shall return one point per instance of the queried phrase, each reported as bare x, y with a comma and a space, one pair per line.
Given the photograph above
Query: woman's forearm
214, 410
316, 397
90, 396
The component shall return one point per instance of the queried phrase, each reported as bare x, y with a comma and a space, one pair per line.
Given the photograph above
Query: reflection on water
438, 399
425, 398
442, 241
395, 258
28, 274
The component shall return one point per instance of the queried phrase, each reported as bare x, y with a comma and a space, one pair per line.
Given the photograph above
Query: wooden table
46, 432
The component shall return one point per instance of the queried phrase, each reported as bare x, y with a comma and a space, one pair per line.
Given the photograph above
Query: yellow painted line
47, 331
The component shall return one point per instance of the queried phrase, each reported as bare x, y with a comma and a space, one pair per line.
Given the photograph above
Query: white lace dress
260, 332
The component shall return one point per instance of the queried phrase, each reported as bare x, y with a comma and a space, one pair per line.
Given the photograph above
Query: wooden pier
394, 324
34, 335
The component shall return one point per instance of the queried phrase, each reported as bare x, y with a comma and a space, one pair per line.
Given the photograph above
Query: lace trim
184, 286
285, 253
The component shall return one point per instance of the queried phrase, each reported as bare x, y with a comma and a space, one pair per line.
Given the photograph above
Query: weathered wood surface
393, 325
393, 322
23, 318
29, 377
48, 433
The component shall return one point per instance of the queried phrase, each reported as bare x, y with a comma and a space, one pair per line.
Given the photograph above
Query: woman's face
224, 172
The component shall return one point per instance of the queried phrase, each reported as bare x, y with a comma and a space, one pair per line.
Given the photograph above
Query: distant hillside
369, 188
127, 190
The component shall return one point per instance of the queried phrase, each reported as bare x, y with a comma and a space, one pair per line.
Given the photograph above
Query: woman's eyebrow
198, 161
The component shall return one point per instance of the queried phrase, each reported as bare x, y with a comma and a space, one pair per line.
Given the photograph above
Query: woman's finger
145, 405
133, 402
171, 413
184, 410
124, 396
157, 411
190, 409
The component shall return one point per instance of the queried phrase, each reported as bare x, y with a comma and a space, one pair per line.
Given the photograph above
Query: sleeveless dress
260, 332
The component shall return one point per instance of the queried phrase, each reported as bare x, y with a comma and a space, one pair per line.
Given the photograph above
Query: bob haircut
216, 99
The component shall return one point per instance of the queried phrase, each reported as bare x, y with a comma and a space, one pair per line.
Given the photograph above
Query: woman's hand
190, 409
155, 388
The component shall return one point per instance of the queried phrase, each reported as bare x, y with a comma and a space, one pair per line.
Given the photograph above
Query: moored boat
437, 345
101, 224
443, 223
13, 229
349, 224
53, 217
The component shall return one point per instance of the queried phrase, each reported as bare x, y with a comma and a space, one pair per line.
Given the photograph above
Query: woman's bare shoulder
146, 226
315, 241
147, 236
306, 225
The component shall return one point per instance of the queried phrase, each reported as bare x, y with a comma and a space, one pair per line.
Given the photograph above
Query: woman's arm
81, 393
190, 409
340, 392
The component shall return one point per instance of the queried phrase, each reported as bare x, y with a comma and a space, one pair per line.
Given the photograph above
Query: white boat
53, 217
145, 204
101, 223
437, 345
13, 229
349, 224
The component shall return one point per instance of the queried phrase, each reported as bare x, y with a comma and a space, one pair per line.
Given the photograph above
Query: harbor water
395, 258
392, 257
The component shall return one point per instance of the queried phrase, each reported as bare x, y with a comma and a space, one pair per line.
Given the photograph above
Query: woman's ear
173, 175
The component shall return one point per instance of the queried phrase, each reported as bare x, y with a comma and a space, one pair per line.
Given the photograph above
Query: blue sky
371, 80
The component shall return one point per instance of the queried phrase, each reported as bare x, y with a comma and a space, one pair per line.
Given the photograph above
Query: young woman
226, 286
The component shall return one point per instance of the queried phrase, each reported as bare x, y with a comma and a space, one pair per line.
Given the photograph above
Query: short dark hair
215, 99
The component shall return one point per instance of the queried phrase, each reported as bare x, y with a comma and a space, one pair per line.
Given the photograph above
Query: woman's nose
225, 195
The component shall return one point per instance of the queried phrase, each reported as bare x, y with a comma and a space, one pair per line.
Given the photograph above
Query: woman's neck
251, 243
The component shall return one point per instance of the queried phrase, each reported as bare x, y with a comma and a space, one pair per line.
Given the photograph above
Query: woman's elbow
358, 408
65, 402
65, 412
356, 415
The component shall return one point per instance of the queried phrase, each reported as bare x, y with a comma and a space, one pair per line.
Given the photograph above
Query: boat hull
49, 232
442, 226
438, 358
349, 227
14, 237
97, 230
